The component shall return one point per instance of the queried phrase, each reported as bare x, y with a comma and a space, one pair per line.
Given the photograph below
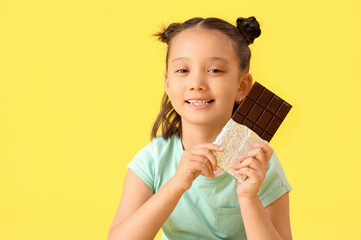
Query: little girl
173, 183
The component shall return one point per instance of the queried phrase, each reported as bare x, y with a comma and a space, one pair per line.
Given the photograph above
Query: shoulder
275, 183
160, 147
156, 162
275, 168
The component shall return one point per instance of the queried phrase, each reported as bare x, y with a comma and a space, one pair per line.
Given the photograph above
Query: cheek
173, 91
228, 91
175, 95
176, 87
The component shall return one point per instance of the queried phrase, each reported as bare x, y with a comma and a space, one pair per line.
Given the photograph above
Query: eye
215, 71
181, 71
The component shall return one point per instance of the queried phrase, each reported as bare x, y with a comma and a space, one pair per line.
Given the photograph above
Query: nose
198, 82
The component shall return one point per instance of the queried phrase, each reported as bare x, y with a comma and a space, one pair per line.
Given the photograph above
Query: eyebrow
211, 58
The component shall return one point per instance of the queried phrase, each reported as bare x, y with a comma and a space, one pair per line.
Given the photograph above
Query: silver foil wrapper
237, 139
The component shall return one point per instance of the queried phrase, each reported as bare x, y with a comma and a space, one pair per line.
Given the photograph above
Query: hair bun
166, 34
249, 28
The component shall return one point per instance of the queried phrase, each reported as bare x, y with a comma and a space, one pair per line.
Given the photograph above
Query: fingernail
221, 148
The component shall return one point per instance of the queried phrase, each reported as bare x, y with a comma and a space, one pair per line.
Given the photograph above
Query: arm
141, 214
272, 222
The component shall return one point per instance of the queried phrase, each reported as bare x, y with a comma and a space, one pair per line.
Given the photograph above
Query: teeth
196, 102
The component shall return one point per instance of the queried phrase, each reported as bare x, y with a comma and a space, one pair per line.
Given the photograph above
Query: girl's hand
253, 165
195, 161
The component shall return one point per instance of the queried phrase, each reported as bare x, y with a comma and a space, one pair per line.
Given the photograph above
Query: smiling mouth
199, 102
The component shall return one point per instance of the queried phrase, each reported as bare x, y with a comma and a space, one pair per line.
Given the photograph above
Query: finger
268, 151
210, 146
238, 163
249, 163
208, 154
251, 174
203, 165
240, 158
258, 154
254, 164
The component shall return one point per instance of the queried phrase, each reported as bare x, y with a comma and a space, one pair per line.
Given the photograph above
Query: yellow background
81, 83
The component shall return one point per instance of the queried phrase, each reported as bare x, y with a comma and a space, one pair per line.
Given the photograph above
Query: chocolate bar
262, 111
256, 120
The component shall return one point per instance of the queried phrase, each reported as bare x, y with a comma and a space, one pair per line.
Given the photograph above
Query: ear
166, 85
246, 82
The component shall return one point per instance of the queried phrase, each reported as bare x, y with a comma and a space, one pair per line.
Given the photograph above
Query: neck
193, 135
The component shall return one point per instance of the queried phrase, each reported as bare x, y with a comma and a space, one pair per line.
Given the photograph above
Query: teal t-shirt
209, 209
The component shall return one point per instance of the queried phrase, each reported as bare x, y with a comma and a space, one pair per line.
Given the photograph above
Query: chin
206, 122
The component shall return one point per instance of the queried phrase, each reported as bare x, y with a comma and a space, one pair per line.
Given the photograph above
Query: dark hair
242, 35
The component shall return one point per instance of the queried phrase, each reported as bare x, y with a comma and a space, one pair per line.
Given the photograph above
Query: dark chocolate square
274, 104
255, 91
238, 118
255, 112
245, 106
283, 110
257, 130
265, 118
266, 136
265, 97
248, 123
274, 125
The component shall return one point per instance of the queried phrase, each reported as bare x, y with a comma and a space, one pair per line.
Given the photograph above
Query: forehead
197, 43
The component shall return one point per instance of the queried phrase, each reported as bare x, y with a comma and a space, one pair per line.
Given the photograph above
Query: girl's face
203, 79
